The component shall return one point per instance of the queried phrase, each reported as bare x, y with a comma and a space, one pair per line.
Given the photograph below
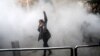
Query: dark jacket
44, 32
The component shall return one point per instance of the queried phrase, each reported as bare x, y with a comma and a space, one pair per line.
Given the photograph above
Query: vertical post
75, 51
15, 44
71, 51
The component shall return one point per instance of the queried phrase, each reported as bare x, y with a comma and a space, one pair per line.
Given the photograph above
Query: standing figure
44, 33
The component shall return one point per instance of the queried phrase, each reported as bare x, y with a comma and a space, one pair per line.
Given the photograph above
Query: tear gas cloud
65, 18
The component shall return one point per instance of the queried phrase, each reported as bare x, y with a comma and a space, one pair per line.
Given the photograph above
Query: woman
44, 33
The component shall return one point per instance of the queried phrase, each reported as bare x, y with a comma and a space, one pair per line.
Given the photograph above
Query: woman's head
41, 21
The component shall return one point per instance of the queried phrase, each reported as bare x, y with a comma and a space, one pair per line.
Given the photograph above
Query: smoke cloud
68, 22
65, 20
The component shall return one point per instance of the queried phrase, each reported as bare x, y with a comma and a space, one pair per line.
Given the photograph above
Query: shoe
49, 53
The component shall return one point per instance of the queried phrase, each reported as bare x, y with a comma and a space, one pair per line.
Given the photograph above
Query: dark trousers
46, 45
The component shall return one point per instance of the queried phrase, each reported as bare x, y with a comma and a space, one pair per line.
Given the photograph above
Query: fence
73, 51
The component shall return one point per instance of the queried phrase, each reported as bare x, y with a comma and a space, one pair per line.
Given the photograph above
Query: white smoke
65, 18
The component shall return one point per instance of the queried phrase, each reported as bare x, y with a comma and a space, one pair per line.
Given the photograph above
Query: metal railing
30, 49
83, 46
73, 51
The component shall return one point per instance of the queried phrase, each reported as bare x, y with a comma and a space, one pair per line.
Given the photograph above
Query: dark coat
44, 32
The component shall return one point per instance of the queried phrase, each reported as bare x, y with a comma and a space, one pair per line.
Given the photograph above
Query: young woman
44, 33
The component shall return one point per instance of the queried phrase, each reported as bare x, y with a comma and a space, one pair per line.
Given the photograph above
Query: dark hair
41, 20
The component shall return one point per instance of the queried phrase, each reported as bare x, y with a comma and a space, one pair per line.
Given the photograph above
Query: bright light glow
26, 3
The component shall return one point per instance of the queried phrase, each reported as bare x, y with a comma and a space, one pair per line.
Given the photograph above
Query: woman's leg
45, 41
44, 45
50, 52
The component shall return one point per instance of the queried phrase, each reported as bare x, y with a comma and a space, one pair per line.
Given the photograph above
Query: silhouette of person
44, 33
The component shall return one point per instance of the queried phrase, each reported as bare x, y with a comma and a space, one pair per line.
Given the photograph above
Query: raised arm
45, 17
